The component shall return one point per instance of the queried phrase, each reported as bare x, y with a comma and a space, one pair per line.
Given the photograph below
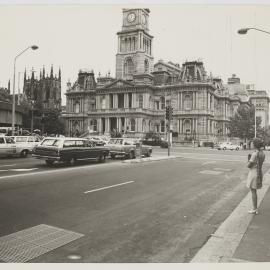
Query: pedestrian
255, 175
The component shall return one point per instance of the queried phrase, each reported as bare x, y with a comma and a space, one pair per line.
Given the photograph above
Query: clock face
143, 19
131, 17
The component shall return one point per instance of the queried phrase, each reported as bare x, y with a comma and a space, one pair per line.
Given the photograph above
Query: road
160, 211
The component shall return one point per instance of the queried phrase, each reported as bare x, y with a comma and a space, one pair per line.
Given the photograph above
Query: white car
25, 144
7, 147
228, 145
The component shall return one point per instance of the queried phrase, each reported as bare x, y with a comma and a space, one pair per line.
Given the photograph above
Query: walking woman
255, 175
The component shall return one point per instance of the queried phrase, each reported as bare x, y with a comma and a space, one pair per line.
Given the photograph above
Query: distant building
6, 109
247, 92
44, 92
134, 102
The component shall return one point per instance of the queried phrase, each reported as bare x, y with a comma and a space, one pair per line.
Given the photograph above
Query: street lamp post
244, 31
33, 47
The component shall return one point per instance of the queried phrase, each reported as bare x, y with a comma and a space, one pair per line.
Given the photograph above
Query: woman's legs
254, 197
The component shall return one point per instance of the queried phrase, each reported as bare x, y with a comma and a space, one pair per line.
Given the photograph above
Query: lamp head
243, 31
34, 47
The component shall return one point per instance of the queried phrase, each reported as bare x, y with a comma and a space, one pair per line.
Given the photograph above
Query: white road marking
23, 170
210, 172
9, 165
93, 190
222, 169
209, 162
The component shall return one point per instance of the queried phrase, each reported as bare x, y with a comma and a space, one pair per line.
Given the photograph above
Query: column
125, 100
180, 126
125, 124
134, 102
99, 127
196, 126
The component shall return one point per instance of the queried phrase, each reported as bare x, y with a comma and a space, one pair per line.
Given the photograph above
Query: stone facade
44, 92
134, 102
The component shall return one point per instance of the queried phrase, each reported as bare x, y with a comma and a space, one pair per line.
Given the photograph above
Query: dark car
69, 150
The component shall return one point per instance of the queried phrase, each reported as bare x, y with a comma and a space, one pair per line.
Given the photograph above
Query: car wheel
132, 155
24, 153
224, 148
237, 148
101, 158
49, 162
148, 154
72, 161
112, 156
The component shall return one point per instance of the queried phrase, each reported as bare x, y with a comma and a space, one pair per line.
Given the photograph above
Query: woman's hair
257, 143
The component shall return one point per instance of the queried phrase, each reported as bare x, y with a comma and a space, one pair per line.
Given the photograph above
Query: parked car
98, 141
126, 147
69, 150
25, 144
228, 145
7, 147
267, 147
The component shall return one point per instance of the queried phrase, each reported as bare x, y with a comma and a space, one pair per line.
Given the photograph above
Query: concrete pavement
242, 237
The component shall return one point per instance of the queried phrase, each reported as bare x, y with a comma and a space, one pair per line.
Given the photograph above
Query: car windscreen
50, 142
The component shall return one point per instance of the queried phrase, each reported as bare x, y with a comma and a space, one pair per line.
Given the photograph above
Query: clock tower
134, 56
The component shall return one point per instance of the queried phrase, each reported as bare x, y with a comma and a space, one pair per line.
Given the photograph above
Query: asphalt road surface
160, 211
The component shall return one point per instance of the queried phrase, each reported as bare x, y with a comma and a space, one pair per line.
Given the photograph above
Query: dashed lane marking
210, 172
93, 190
8, 165
222, 169
209, 162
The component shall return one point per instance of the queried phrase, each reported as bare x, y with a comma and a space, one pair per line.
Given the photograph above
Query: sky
83, 36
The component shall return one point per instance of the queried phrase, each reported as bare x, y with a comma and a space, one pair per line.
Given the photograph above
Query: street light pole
33, 47
244, 31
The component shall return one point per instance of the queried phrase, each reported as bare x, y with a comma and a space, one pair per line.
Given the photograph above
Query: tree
266, 135
242, 124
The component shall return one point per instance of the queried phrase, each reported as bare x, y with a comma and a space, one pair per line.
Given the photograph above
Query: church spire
51, 71
59, 74
25, 75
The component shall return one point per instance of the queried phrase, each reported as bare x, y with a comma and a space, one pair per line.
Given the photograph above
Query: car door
2, 146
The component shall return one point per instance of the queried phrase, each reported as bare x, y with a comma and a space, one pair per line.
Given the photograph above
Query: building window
187, 102
157, 105
162, 100
93, 125
140, 101
130, 100
146, 66
111, 100
129, 67
103, 102
132, 124
162, 125
120, 100
187, 126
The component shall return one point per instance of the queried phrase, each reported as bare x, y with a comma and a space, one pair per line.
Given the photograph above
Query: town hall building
134, 102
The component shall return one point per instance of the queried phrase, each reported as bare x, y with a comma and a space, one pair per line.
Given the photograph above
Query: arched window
132, 124
140, 101
146, 66
76, 107
187, 102
162, 126
129, 67
162, 101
